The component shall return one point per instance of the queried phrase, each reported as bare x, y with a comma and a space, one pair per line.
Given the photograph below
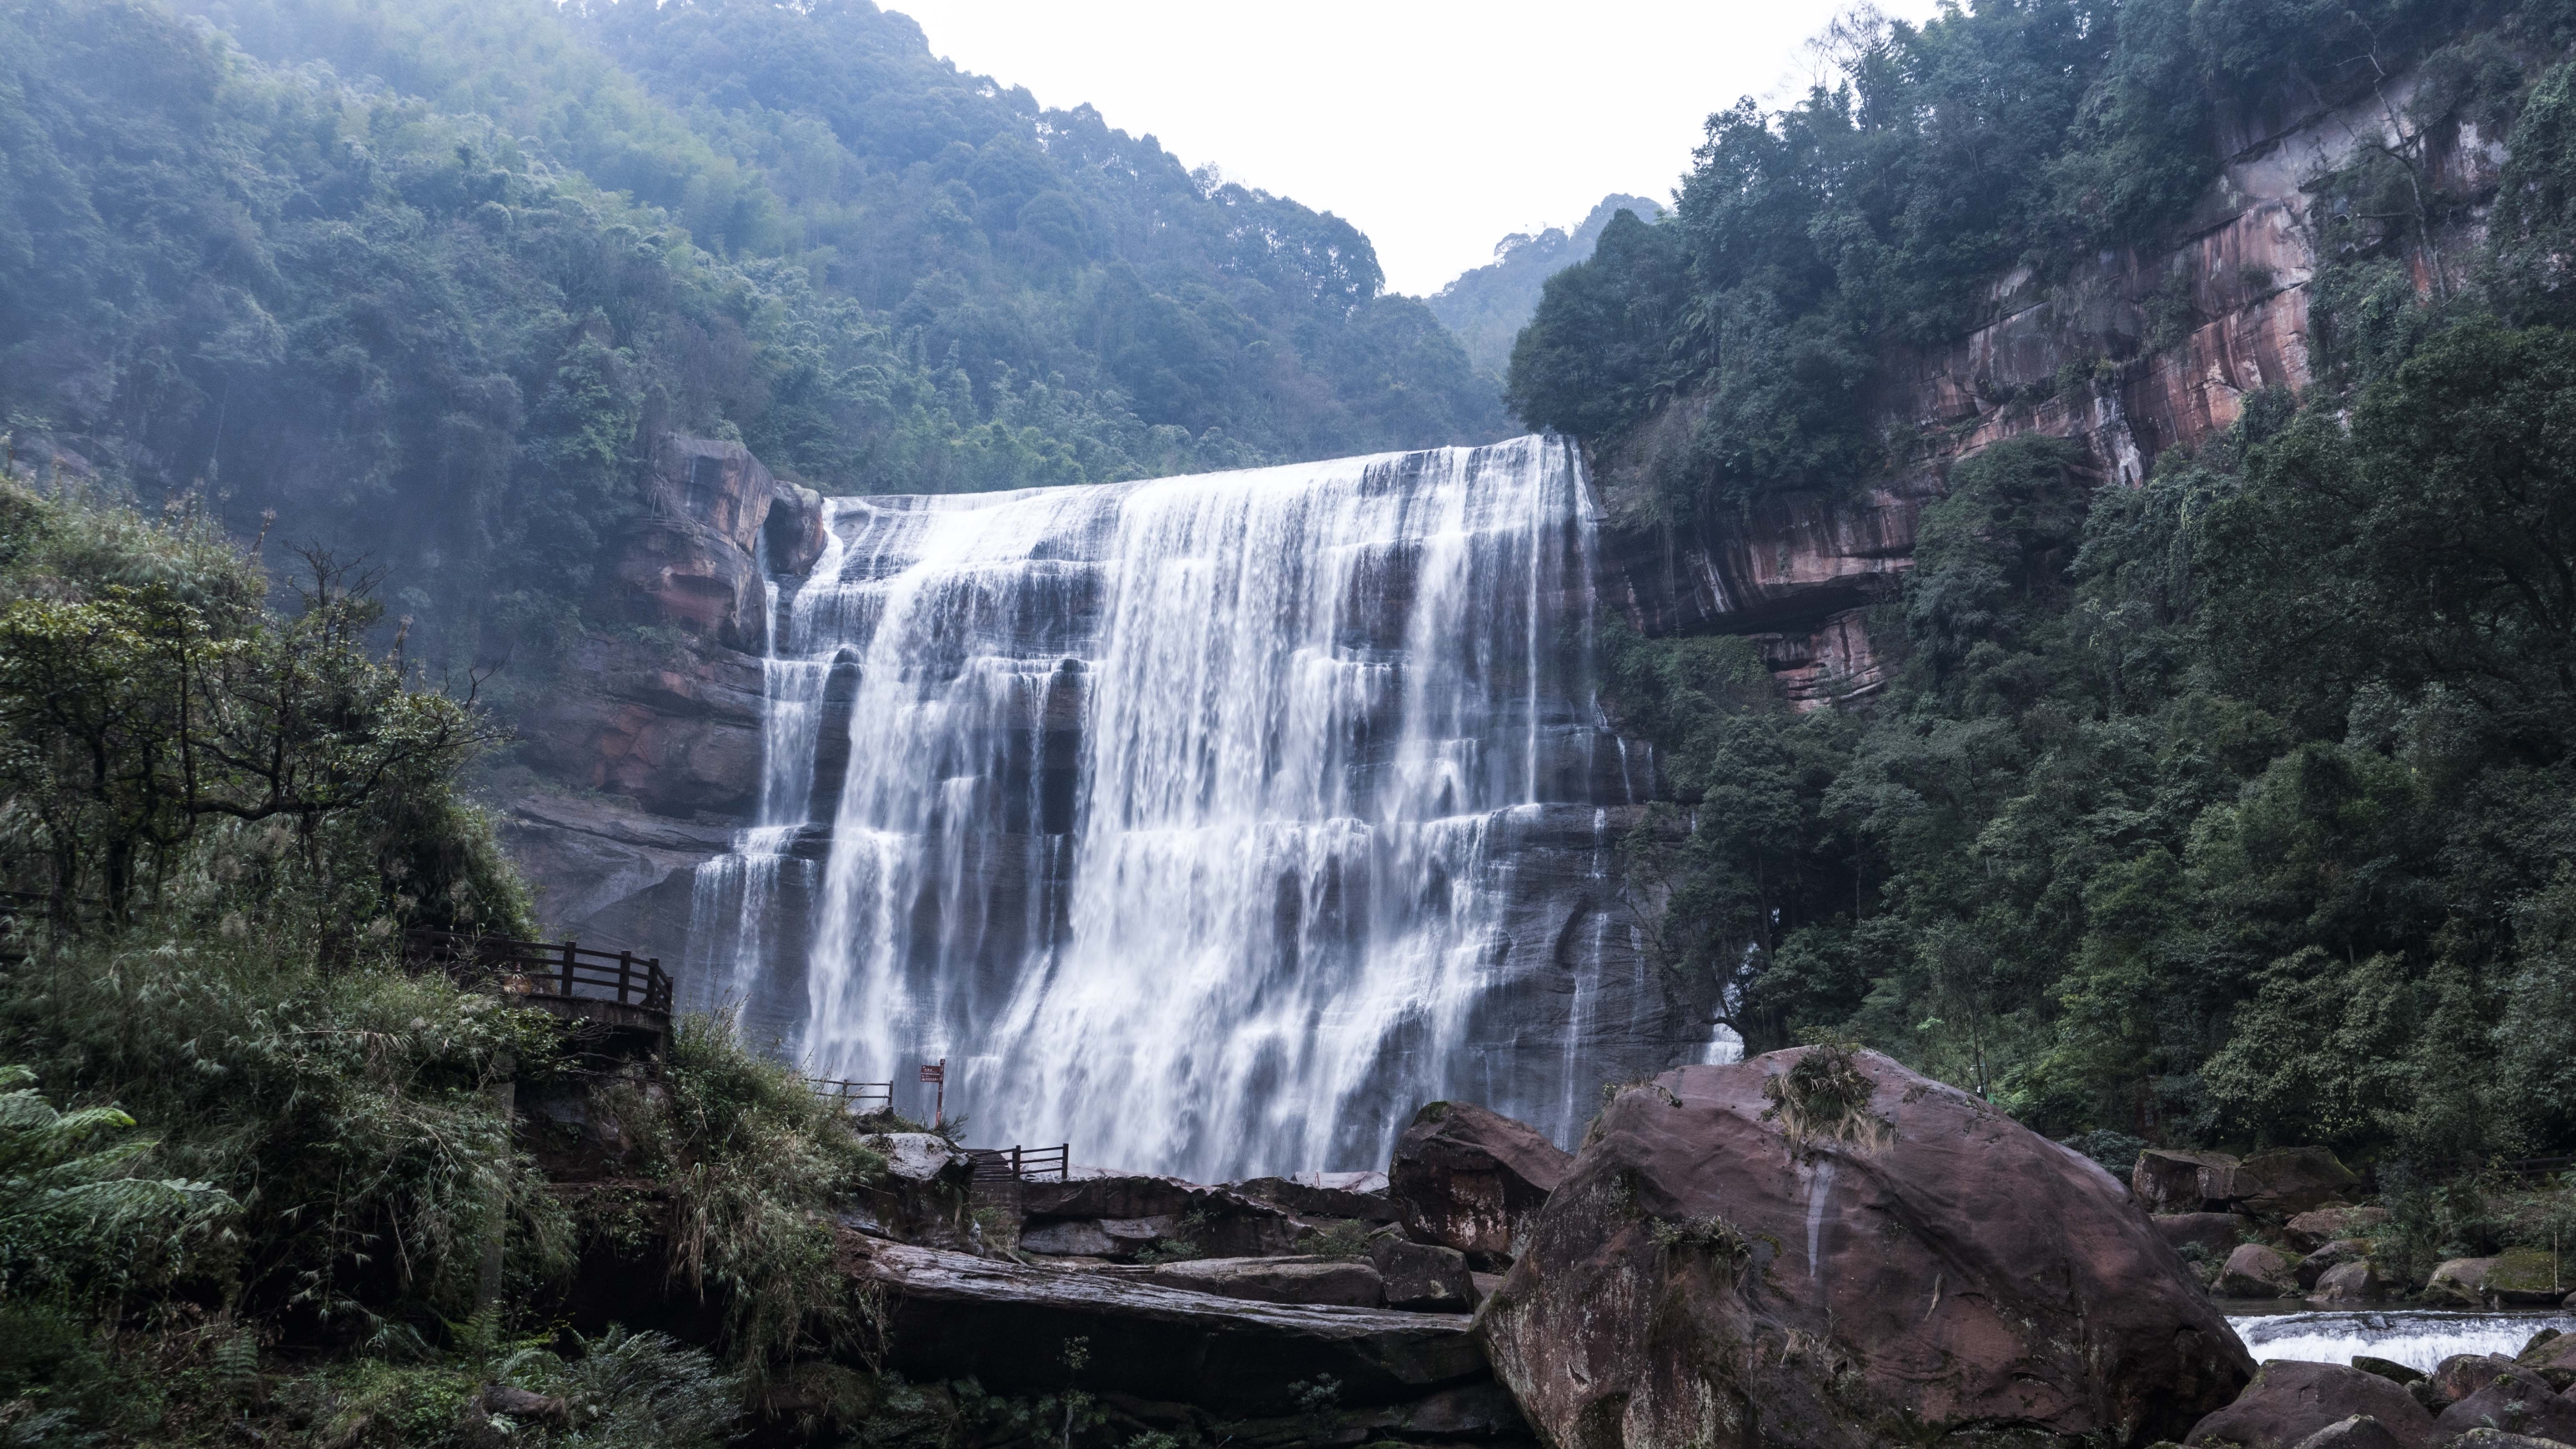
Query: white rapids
1211, 824
2417, 1338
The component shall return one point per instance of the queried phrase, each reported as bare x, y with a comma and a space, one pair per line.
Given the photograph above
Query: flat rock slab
955, 1314
1338, 1281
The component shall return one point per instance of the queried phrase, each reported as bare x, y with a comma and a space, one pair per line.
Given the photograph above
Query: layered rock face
1702, 1276
654, 733
2147, 348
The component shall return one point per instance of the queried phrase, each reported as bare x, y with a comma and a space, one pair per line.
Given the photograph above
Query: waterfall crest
1212, 824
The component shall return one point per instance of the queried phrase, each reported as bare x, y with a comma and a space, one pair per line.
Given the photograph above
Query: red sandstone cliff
1798, 570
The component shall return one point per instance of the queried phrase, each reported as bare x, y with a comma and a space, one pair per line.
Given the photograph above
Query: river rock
1138, 1212
2525, 1277
2499, 1439
2463, 1374
2216, 1233
1422, 1278
2288, 1181
2553, 1358
2459, 1282
2353, 1282
2515, 1400
1343, 1281
1470, 1179
1702, 1278
2387, 1368
2255, 1271
2169, 1180
2358, 1432
953, 1316
1360, 1196
2332, 1255
2318, 1226
2289, 1401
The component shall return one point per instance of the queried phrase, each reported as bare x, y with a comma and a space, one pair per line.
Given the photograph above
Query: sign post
937, 1077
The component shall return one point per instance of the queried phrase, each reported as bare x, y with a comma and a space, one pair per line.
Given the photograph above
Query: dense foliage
1814, 243
1486, 307
216, 821
2230, 808
420, 280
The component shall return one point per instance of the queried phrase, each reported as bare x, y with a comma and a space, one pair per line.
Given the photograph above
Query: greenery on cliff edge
2229, 809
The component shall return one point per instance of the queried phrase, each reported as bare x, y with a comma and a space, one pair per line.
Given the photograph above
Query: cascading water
1211, 824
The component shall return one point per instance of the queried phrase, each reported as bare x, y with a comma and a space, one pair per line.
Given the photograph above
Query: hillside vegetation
2228, 809
422, 280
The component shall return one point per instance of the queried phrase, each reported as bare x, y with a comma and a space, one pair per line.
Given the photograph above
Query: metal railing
543, 970
1022, 1164
859, 1098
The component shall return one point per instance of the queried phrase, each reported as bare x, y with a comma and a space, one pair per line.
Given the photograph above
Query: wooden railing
861, 1098
1023, 1164
544, 970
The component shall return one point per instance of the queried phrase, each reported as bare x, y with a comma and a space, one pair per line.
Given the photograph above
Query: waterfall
1212, 824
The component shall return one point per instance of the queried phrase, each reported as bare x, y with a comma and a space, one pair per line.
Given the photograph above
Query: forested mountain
2224, 804
1487, 306
421, 279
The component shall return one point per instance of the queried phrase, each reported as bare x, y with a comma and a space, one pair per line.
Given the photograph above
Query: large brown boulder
2255, 1271
1470, 1179
2288, 1181
2168, 1180
2289, 1401
1722, 1269
2516, 1400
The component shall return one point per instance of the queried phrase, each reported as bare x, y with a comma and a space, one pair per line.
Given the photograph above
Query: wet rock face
1701, 1278
1470, 1179
2290, 1402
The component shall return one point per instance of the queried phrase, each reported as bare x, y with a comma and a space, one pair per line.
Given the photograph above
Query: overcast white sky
1437, 126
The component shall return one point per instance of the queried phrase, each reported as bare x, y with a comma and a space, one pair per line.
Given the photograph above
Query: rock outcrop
953, 1315
1277, 1280
1470, 1179
2093, 355
2289, 1401
1120, 1216
1703, 1275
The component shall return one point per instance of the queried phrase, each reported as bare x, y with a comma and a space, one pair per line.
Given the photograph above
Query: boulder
2288, 1181
2525, 1277
2553, 1357
1424, 1279
1725, 1269
2169, 1180
1360, 1196
2290, 1401
2318, 1226
2358, 1432
923, 1195
2499, 1439
2463, 1374
1276, 1280
2216, 1233
2332, 1255
1470, 1179
1138, 1212
2460, 1281
2354, 1282
2387, 1368
2255, 1271
951, 1316
2515, 1400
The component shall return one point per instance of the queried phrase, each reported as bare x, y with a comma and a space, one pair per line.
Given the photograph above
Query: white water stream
2417, 1338
1211, 824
